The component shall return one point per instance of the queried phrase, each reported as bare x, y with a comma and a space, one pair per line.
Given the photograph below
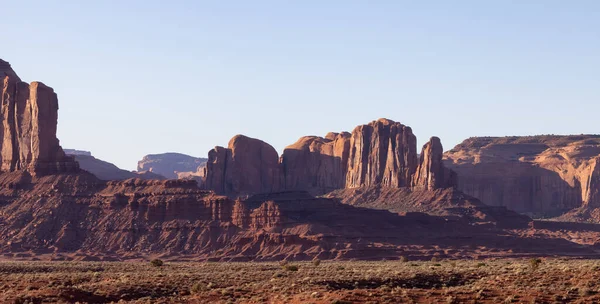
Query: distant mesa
105, 170
172, 165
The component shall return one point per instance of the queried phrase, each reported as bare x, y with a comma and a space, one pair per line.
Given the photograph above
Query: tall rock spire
29, 115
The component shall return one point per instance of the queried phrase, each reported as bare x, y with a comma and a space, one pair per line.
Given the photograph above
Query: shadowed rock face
542, 175
29, 120
431, 173
382, 152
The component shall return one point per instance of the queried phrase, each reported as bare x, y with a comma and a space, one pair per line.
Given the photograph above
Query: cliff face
246, 166
542, 175
382, 153
29, 120
431, 173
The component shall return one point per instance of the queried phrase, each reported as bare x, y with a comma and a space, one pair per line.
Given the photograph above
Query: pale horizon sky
144, 77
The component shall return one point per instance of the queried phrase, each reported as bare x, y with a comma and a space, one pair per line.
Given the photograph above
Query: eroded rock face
541, 175
29, 120
246, 166
382, 153
431, 173
314, 163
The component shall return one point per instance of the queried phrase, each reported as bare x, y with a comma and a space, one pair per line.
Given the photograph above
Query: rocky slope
29, 120
105, 170
541, 175
77, 213
172, 165
382, 152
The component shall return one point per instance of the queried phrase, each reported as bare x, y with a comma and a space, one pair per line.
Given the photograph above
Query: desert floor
448, 281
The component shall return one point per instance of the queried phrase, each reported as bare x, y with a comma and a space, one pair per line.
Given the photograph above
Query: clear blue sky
140, 77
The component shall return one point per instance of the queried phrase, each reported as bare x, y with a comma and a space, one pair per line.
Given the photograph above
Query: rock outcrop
172, 165
539, 175
382, 153
246, 166
431, 173
29, 121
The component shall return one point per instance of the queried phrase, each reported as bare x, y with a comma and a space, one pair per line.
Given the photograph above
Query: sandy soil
474, 281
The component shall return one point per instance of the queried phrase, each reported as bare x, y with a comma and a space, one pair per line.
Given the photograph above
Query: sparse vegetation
403, 259
332, 282
535, 263
291, 267
156, 263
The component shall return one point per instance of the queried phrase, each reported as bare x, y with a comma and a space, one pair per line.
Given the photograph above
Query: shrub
316, 262
197, 288
291, 268
481, 265
534, 263
403, 259
156, 263
434, 259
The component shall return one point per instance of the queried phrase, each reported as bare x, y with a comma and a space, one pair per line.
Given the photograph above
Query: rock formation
172, 165
29, 120
540, 175
314, 163
431, 173
246, 166
382, 153
105, 170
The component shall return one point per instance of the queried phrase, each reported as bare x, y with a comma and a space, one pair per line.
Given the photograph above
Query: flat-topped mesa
246, 166
381, 153
28, 133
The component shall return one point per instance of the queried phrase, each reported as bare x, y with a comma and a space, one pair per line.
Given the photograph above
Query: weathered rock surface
29, 120
246, 166
431, 173
382, 152
541, 175
172, 165
105, 170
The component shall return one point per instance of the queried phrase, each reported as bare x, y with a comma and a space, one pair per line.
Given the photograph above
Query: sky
141, 77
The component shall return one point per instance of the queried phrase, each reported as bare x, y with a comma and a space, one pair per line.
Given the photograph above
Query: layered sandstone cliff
29, 120
541, 175
382, 153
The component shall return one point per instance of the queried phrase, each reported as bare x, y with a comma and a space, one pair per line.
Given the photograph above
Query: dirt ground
475, 281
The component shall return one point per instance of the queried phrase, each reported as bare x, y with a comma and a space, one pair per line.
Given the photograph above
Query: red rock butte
29, 121
381, 153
